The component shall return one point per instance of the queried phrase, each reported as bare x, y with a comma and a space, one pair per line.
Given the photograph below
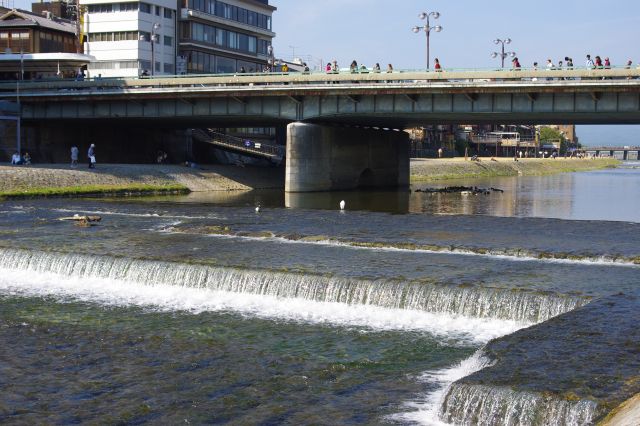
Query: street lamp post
427, 29
502, 53
152, 39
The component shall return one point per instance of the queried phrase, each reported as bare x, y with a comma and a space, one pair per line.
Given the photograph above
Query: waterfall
471, 404
478, 302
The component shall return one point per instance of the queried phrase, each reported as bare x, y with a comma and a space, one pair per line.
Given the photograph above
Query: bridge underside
386, 111
323, 158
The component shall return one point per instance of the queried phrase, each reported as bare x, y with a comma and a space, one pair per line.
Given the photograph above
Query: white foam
596, 260
111, 292
116, 213
426, 410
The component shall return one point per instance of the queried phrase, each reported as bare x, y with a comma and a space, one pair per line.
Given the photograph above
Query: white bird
342, 204
257, 209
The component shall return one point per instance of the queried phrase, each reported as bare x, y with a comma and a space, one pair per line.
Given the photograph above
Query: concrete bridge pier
327, 158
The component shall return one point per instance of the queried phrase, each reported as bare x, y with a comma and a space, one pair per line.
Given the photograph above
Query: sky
371, 31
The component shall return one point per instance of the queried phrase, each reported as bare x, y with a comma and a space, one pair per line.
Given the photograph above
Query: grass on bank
89, 190
486, 169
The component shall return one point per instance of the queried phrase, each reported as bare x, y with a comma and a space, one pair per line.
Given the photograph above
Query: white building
119, 35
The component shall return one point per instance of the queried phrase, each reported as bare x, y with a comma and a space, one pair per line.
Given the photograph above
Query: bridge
336, 135
612, 150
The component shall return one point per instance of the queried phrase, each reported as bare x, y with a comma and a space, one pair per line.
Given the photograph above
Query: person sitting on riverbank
26, 159
16, 160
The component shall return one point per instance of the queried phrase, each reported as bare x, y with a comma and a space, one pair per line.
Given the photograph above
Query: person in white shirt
16, 159
590, 65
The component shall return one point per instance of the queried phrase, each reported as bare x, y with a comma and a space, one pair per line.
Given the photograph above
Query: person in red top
607, 63
437, 66
598, 62
516, 64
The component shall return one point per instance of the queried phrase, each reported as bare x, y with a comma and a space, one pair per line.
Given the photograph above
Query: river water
198, 309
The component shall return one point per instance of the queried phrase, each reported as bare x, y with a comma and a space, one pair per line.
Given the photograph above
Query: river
198, 309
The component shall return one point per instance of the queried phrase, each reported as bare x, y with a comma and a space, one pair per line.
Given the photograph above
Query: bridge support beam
325, 158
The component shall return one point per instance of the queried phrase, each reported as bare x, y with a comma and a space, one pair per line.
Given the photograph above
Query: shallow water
198, 308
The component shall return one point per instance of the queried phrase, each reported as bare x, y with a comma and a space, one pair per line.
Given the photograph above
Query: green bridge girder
397, 100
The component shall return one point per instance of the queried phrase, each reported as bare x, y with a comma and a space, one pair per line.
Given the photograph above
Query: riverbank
124, 179
130, 179
428, 169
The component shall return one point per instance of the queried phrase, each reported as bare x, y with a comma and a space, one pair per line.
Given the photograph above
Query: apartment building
130, 38
225, 36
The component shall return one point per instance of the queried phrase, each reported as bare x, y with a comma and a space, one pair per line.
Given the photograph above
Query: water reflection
381, 201
598, 195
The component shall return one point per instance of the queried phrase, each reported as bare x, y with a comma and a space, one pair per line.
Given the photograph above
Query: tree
549, 134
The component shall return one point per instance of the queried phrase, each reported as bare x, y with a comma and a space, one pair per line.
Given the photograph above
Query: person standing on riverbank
91, 154
74, 156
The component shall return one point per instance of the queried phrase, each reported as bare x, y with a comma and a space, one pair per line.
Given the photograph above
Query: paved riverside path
205, 178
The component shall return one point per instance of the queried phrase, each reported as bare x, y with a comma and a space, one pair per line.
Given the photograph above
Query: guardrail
505, 142
459, 78
273, 152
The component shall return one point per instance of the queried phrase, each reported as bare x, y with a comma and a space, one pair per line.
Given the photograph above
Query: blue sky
371, 31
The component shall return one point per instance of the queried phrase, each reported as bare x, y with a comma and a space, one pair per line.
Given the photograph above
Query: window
168, 13
232, 39
242, 15
158, 10
197, 31
225, 65
128, 64
100, 8
168, 68
145, 7
168, 41
221, 37
263, 47
252, 18
186, 30
129, 7
238, 14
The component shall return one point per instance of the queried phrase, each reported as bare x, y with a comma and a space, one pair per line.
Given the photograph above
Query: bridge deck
393, 100
540, 80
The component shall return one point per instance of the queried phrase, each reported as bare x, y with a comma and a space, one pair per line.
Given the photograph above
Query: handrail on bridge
537, 77
261, 148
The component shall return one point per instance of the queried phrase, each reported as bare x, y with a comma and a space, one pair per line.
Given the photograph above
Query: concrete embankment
42, 179
628, 413
454, 168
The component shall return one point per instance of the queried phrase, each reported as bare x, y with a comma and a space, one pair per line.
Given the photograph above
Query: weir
478, 404
325, 158
570, 370
478, 302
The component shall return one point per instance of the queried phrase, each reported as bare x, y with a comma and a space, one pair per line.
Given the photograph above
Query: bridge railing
534, 77
261, 148
497, 139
